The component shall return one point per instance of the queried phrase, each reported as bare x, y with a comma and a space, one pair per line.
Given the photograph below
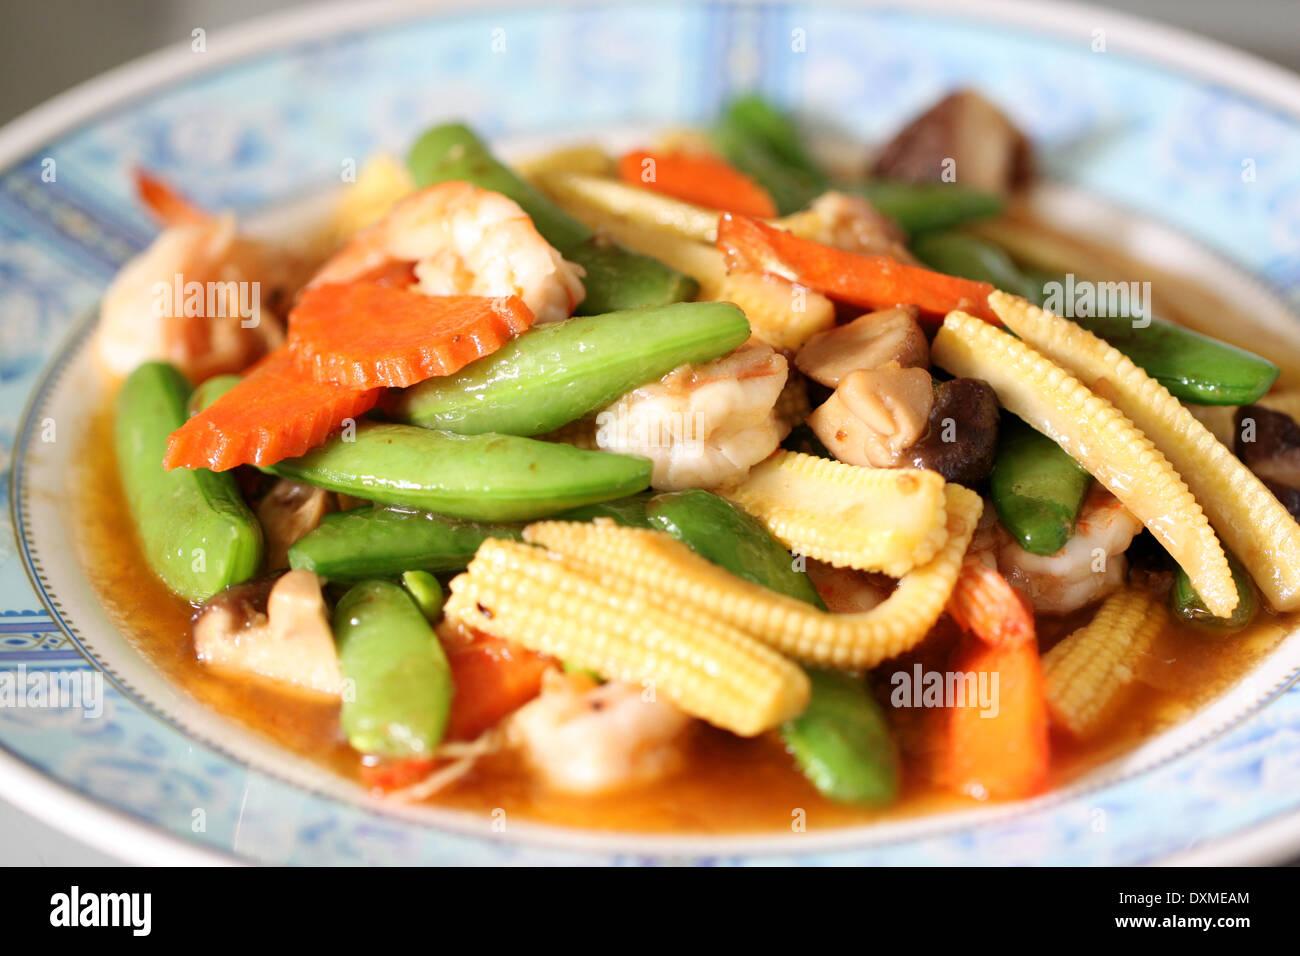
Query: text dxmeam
1151, 899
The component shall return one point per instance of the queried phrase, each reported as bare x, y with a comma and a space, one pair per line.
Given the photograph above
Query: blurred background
48, 46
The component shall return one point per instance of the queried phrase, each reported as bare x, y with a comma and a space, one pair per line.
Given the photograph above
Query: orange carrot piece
870, 282
984, 604
366, 335
699, 178
274, 413
492, 677
389, 775
1000, 753
168, 206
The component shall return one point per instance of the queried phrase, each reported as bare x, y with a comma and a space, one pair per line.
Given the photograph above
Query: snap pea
960, 254
761, 141
377, 542
195, 530
842, 741
1037, 488
616, 278
480, 477
557, 373
397, 679
1188, 606
426, 592
925, 207
629, 512
717, 530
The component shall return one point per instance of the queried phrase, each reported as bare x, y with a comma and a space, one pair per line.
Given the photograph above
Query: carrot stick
984, 604
699, 178
168, 206
999, 751
871, 282
493, 677
274, 413
367, 335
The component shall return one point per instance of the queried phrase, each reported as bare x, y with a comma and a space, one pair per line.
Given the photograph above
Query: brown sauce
727, 785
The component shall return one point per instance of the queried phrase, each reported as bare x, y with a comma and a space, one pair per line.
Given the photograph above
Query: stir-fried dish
711, 472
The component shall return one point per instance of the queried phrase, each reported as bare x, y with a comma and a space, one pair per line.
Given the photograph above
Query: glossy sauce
728, 784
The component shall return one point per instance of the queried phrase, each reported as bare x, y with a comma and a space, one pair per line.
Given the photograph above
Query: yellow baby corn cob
699, 591
1254, 525
551, 605
792, 405
1100, 438
781, 314
872, 519
634, 204
381, 181
1084, 675
583, 158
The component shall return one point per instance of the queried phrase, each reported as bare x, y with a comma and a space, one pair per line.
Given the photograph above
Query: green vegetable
1188, 606
1037, 488
384, 542
557, 373
924, 207
480, 477
762, 142
209, 391
970, 257
616, 278
195, 530
842, 741
629, 512
426, 592
716, 529
397, 682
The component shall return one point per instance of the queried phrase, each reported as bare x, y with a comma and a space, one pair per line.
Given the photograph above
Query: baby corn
551, 605
700, 592
1100, 438
1254, 525
872, 519
783, 315
1084, 675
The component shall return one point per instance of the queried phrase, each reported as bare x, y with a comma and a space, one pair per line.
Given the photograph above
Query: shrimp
587, 738
198, 297
703, 426
454, 238
1089, 567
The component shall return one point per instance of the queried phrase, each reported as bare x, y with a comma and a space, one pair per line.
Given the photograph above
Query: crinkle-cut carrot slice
274, 413
366, 335
870, 282
699, 178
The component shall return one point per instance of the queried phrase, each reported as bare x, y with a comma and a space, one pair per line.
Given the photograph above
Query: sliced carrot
274, 413
699, 178
388, 775
366, 335
984, 604
999, 751
168, 206
870, 282
492, 677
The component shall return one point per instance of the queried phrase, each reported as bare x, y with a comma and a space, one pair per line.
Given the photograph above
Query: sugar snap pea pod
383, 542
397, 679
925, 207
426, 592
209, 391
480, 477
842, 741
1037, 488
1188, 606
959, 254
628, 512
616, 278
718, 530
557, 373
760, 140
195, 530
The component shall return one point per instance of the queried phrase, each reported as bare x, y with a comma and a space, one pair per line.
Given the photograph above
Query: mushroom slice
875, 415
290, 510
963, 132
962, 440
1268, 443
869, 341
283, 636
